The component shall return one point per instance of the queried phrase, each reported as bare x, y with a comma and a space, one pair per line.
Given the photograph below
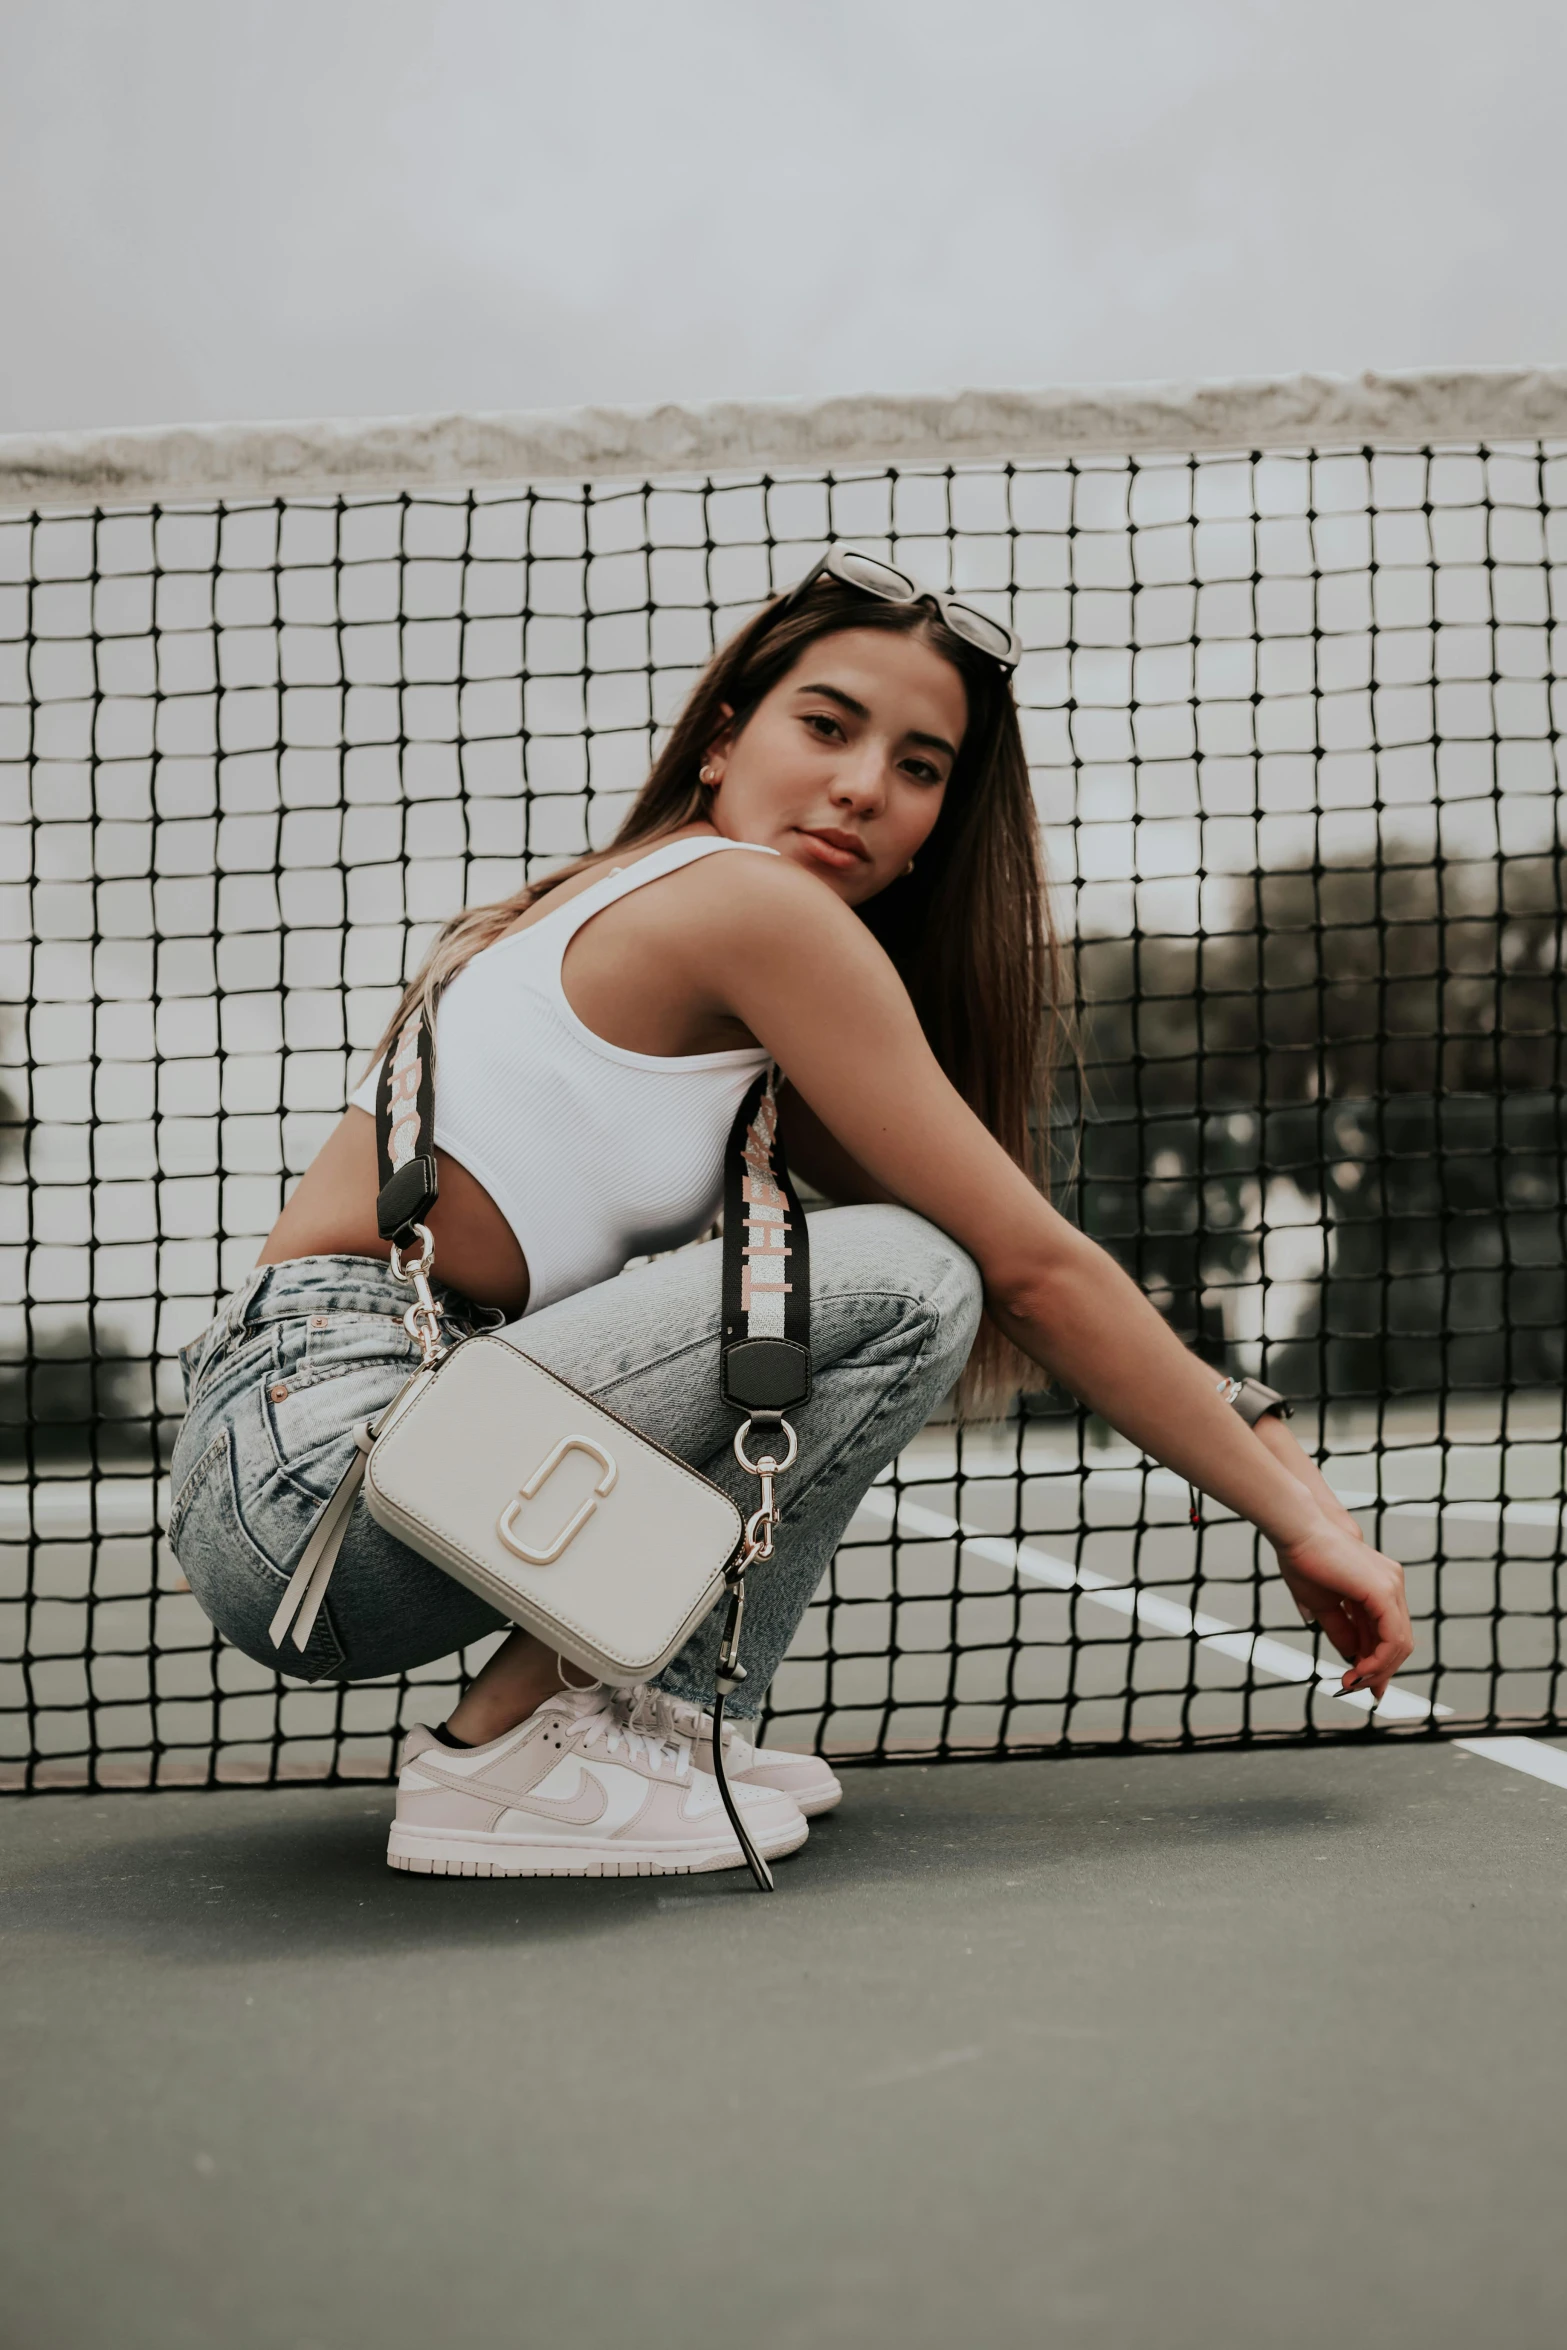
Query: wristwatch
1253, 1401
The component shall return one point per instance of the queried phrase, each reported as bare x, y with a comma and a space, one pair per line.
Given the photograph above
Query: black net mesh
1294, 727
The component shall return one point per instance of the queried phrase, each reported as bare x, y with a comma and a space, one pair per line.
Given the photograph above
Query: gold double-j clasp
506, 1526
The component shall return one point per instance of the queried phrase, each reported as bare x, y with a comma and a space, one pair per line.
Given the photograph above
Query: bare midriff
332, 1213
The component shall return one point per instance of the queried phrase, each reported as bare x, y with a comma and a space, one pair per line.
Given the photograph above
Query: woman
833, 865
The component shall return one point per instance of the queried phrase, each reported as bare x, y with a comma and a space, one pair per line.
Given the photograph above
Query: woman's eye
829, 727
922, 771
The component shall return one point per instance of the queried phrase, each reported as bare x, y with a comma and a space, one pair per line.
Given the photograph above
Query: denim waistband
326, 1284
348, 1285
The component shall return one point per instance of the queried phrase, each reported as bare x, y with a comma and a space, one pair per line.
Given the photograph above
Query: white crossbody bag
566, 1519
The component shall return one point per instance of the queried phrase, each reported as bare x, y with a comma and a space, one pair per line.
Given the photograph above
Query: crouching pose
832, 867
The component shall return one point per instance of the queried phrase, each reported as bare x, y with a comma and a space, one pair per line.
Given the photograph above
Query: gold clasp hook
422, 1321
759, 1527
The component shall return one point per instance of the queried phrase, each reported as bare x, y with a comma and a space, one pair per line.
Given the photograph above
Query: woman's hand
1362, 1616
1357, 1596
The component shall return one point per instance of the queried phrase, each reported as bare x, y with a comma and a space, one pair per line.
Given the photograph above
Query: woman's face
844, 765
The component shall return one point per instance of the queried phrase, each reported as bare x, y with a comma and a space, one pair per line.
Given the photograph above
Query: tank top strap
622, 880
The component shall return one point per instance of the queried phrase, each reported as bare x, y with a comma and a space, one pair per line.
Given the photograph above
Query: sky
294, 208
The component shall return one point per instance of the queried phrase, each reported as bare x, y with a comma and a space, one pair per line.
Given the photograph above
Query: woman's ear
716, 757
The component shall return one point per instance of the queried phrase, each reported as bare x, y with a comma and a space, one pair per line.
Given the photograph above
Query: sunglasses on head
853, 569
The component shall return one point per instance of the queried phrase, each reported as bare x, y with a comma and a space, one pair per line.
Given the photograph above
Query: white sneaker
804, 1776
575, 1791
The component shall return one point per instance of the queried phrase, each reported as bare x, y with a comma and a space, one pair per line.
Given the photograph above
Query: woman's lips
837, 859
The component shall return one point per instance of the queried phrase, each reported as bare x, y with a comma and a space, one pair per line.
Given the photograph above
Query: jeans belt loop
239, 1304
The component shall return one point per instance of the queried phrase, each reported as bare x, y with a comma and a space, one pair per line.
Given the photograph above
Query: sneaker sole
434, 1852
812, 1806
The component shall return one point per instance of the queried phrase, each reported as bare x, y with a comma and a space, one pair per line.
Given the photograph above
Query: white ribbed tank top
592, 1154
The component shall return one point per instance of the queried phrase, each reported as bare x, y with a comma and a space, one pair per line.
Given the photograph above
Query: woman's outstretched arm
785, 956
1092, 1328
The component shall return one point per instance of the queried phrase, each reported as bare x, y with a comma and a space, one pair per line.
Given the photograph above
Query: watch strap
1255, 1402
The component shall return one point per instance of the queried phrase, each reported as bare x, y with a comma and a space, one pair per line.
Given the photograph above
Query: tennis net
275, 702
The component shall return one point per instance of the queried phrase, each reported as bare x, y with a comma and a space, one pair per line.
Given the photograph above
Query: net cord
342, 457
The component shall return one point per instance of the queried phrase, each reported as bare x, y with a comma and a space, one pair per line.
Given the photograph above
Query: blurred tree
73, 1398
1371, 1054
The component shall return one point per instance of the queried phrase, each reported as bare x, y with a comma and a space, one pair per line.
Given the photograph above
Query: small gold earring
909, 867
707, 776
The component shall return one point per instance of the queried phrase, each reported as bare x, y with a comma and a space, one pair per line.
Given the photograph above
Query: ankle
480, 1715
509, 1688
476, 1727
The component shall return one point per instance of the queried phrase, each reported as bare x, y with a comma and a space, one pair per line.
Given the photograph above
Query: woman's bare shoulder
766, 889
743, 922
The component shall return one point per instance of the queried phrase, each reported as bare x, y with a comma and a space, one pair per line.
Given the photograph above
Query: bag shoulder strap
405, 1131
765, 1360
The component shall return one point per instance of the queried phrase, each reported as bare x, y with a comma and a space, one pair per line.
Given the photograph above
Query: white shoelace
612, 1728
658, 1714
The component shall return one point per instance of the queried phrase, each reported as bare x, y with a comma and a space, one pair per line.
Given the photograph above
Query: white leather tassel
301, 1602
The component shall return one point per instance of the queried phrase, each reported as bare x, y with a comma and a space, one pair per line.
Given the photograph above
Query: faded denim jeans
305, 1350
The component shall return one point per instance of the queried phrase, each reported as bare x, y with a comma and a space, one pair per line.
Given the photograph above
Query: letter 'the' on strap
766, 1354
405, 1131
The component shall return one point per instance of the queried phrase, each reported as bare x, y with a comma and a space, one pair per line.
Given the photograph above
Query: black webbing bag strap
405, 1132
764, 1365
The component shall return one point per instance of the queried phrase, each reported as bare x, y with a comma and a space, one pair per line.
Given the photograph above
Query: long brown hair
969, 931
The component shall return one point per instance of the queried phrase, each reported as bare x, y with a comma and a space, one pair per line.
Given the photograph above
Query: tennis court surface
1208, 2049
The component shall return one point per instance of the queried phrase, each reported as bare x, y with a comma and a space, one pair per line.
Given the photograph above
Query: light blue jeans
303, 1351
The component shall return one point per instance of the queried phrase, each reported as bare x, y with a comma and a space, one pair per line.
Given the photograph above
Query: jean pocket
235, 1584
332, 1371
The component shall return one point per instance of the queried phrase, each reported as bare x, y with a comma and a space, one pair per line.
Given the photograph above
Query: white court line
1169, 1616
1521, 1754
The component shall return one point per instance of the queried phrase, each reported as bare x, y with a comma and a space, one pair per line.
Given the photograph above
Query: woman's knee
902, 1272
943, 1275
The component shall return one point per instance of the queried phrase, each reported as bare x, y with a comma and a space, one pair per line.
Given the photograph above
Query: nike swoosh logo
584, 1807
575, 1792
616, 1794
